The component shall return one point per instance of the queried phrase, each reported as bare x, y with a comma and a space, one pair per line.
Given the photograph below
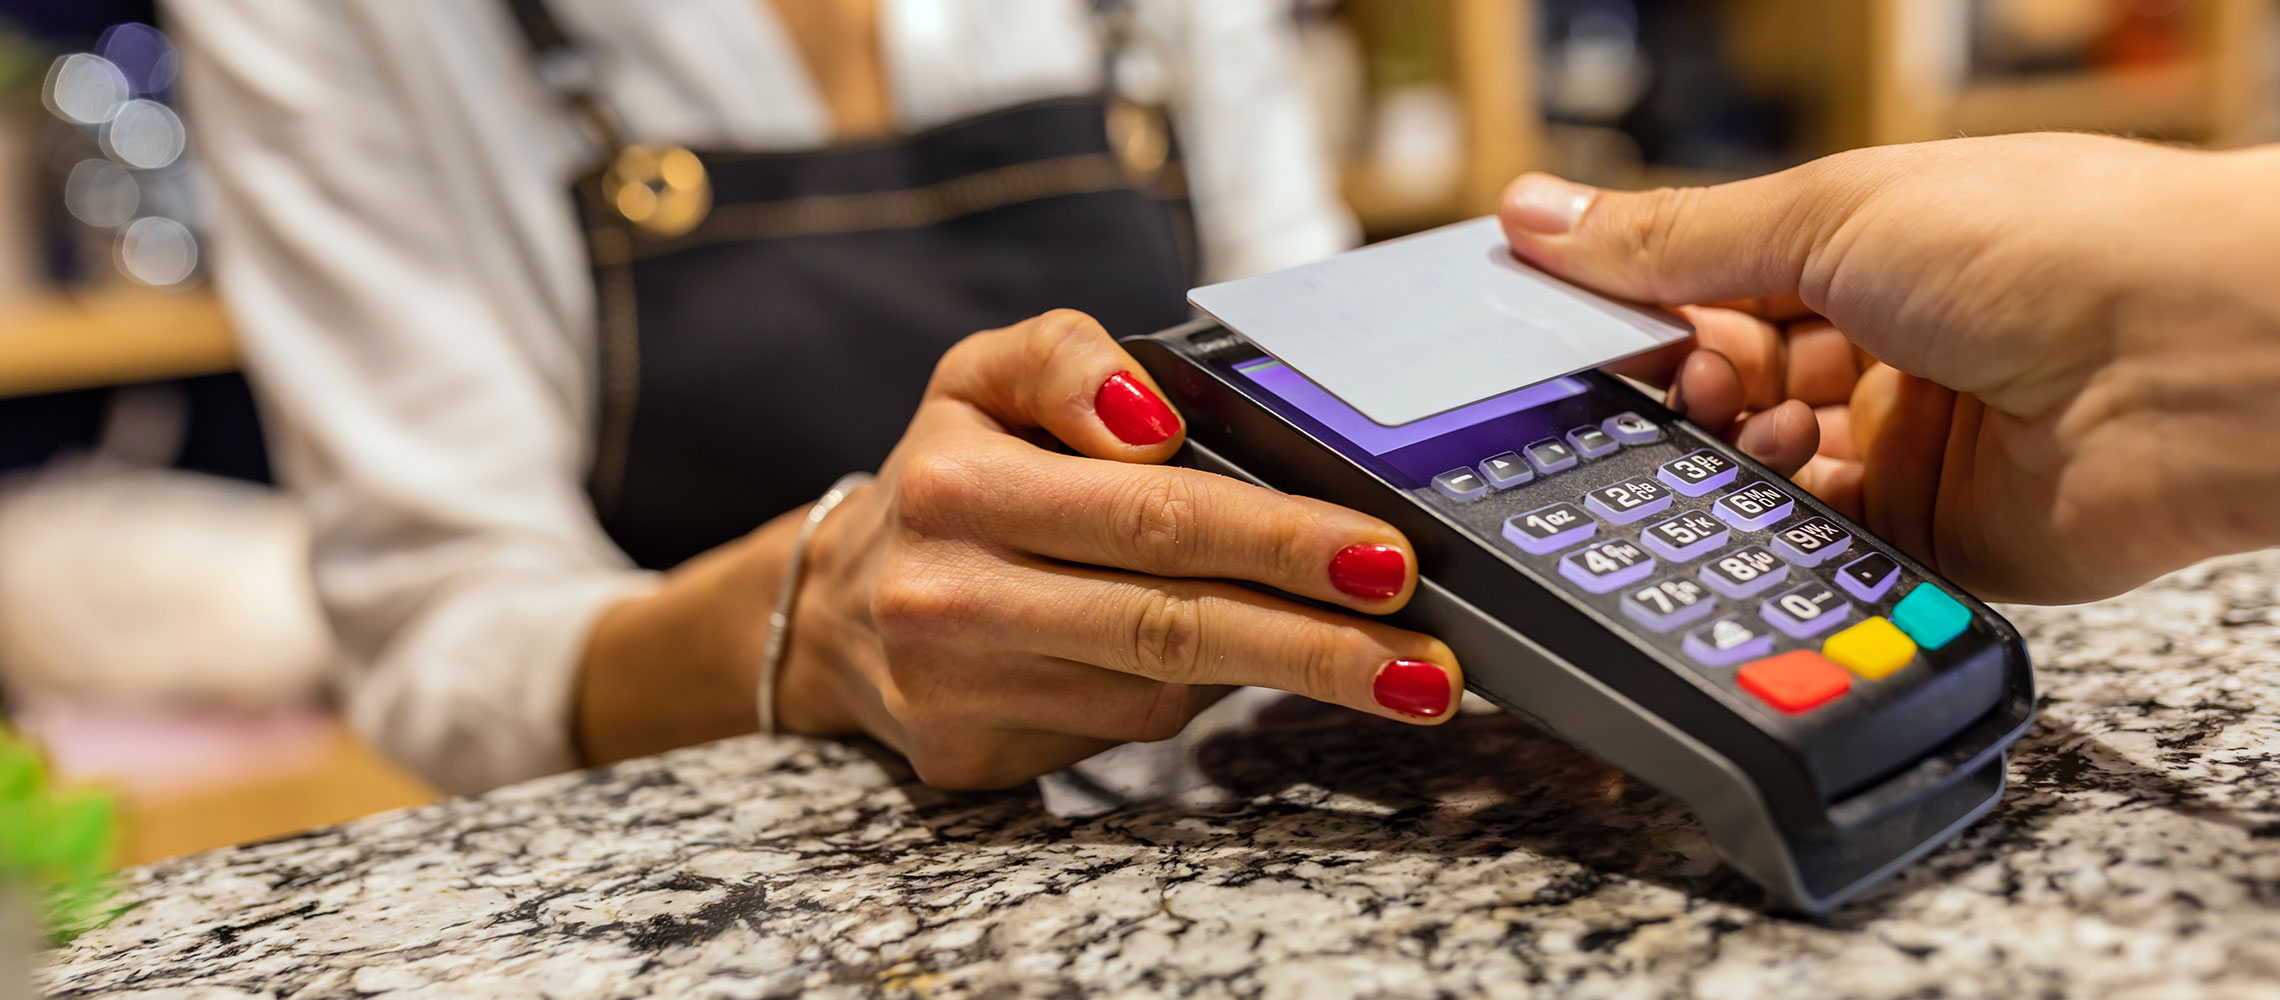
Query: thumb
1676, 246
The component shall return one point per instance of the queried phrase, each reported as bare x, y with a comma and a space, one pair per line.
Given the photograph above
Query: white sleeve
404, 394
1259, 176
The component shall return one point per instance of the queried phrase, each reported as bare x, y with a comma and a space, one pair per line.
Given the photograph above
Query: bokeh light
85, 88
158, 251
144, 134
141, 53
101, 193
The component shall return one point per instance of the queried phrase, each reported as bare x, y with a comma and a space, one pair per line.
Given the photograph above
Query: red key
1794, 682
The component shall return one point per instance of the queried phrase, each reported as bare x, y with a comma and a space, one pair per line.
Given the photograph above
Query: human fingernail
1133, 412
1548, 205
1370, 572
1758, 439
1677, 402
1413, 687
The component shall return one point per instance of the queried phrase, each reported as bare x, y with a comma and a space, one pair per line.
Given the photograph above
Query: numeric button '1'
1546, 530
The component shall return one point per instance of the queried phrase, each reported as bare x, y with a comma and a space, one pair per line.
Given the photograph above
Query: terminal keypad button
1872, 650
1593, 442
1668, 604
1690, 534
1930, 616
1550, 455
1696, 473
1461, 484
1806, 610
1728, 641
1610, 564
1811, 542
1744, 572
1546, 530
1754, 506
1631, 428
1506, 471
1869, 577
1634, 499
1794, 682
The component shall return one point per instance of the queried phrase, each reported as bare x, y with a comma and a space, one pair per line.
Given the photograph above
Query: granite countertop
2137, 853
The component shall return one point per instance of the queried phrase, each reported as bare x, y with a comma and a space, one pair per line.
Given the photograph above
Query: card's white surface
1407, 328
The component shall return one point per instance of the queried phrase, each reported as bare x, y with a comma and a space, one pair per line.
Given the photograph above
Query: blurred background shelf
58, 342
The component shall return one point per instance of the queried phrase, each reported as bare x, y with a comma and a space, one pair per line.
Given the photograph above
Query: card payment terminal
1826, 706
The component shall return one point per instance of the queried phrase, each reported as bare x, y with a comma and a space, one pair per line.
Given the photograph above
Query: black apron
785, 339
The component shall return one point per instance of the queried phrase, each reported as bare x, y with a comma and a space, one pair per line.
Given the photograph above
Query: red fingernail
1371, 572
1133, 412
1413, 687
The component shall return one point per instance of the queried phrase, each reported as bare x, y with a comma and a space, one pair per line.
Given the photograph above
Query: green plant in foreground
55, 846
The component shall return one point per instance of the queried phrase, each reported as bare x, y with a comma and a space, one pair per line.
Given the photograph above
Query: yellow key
1873, 649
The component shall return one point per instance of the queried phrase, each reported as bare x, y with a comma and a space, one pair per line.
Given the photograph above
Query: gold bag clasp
662, 190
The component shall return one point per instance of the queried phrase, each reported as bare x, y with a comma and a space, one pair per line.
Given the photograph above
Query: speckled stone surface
2138, 854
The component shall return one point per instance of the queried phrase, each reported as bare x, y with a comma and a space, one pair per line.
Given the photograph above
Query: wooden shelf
2159, 101
111, 338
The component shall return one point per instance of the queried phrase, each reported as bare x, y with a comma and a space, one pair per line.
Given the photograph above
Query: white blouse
388, 197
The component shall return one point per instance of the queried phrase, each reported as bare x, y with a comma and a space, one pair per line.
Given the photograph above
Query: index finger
1062, 373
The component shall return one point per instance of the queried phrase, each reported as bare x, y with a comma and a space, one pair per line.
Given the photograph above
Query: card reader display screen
1423, 448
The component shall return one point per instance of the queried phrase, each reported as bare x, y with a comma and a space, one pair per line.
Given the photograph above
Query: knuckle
964, 356
1058, 331
1322, 664
1167, 637
1654, 228
940, 487
912, 603
1158, 522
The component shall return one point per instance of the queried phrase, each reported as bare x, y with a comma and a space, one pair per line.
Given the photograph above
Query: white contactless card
1420, 325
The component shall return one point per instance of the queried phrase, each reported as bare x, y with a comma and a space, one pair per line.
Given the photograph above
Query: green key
1930, 616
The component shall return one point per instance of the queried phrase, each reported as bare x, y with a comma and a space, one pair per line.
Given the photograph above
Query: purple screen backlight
1377, 439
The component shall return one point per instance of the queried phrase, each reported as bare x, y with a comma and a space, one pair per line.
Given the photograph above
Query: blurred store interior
158, 635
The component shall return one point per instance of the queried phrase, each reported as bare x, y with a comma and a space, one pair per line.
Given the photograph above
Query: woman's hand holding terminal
995, 608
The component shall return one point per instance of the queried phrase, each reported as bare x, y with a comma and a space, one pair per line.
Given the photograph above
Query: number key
1630, 500
1698, 472
1810, 542
1668, 604
1745, 571
1805, 610
1754, 506
1546, 530
1686, 536
1607, 565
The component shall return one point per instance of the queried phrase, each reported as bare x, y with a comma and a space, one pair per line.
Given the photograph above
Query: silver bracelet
780, 620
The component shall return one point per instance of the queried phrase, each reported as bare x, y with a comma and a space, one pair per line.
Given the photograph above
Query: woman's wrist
677, 665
